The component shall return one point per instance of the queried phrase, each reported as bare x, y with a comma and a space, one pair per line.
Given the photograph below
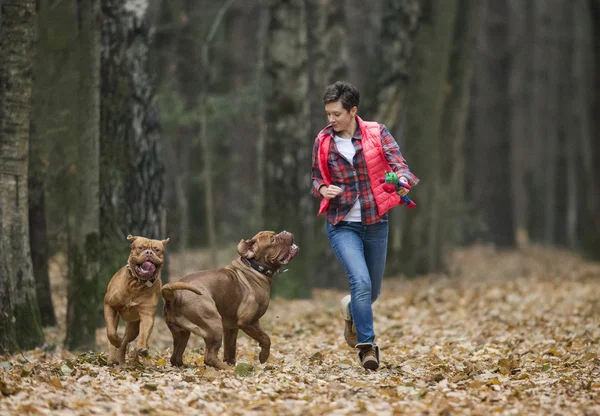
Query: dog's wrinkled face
146, 257
271, 249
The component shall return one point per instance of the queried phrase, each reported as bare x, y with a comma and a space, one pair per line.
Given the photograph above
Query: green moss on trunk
28, 329
84, 313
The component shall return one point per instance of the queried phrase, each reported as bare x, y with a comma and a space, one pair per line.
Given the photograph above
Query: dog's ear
164, 242
131, 238
245, 248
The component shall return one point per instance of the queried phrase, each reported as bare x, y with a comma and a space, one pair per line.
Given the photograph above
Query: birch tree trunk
17, 26
84, 291
131, 167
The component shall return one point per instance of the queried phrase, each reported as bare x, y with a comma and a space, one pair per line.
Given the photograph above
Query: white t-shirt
347, 150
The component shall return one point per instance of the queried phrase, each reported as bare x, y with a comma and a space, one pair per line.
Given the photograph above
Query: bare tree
17, 26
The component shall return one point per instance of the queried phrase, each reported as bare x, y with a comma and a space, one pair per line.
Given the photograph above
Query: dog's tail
168, 290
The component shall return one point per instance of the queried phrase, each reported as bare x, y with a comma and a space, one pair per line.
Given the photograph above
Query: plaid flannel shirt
353, 177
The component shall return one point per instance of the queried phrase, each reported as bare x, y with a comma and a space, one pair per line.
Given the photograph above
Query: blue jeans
361, 249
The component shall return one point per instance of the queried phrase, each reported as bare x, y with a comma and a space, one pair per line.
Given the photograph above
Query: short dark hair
342, 91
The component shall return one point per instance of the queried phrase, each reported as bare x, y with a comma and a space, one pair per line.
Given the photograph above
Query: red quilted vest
374, 158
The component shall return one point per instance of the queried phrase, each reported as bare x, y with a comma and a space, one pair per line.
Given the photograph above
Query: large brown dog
132, 294
225, 300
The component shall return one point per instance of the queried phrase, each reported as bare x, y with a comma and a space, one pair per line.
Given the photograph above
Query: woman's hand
329, 192
402, 191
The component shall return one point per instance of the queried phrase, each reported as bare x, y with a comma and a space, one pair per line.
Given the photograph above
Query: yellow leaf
160, 361
475, 384
54, 381
554, 352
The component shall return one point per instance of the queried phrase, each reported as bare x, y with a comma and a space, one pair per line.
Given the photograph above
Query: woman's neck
349, 132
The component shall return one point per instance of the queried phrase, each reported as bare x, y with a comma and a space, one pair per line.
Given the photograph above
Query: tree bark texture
362, 30
8, 336
328, 55
384, 99
489, 151
422, 248
131, 167
38, 174
520, 41
452, 143
592, 232
16, 70
288, 144
84, 289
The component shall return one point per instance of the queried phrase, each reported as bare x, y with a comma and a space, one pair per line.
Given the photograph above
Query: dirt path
511, 333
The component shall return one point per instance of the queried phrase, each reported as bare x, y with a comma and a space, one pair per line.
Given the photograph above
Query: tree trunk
453, 130
131, 167
422, 250
178, 37
37, 227
84, 291
288, 143
384, 99
17, 20
243, 25
260, 83
489, 150
582, 119
8, 336
592, 231
206, 139
521, 43
38, 173
546, 112
361, 33
327, 63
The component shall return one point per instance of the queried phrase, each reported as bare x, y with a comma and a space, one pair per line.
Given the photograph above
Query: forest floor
504, 333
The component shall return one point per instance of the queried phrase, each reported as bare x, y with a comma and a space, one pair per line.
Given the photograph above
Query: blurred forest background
194, 120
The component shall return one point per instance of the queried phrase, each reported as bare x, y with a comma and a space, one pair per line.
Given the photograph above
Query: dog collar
259, 267
148, 282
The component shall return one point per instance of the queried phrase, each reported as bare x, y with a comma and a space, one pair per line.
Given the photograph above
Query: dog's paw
264, 355
114, 363
176, 363
143, 352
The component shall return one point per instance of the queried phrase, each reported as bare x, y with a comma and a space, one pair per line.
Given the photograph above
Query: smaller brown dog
132, 294
225, 300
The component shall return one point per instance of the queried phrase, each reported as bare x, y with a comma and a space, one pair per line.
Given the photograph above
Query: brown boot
350, 334
368, 356
349, 328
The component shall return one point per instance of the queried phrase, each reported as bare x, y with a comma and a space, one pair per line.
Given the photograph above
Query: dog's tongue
148, 266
